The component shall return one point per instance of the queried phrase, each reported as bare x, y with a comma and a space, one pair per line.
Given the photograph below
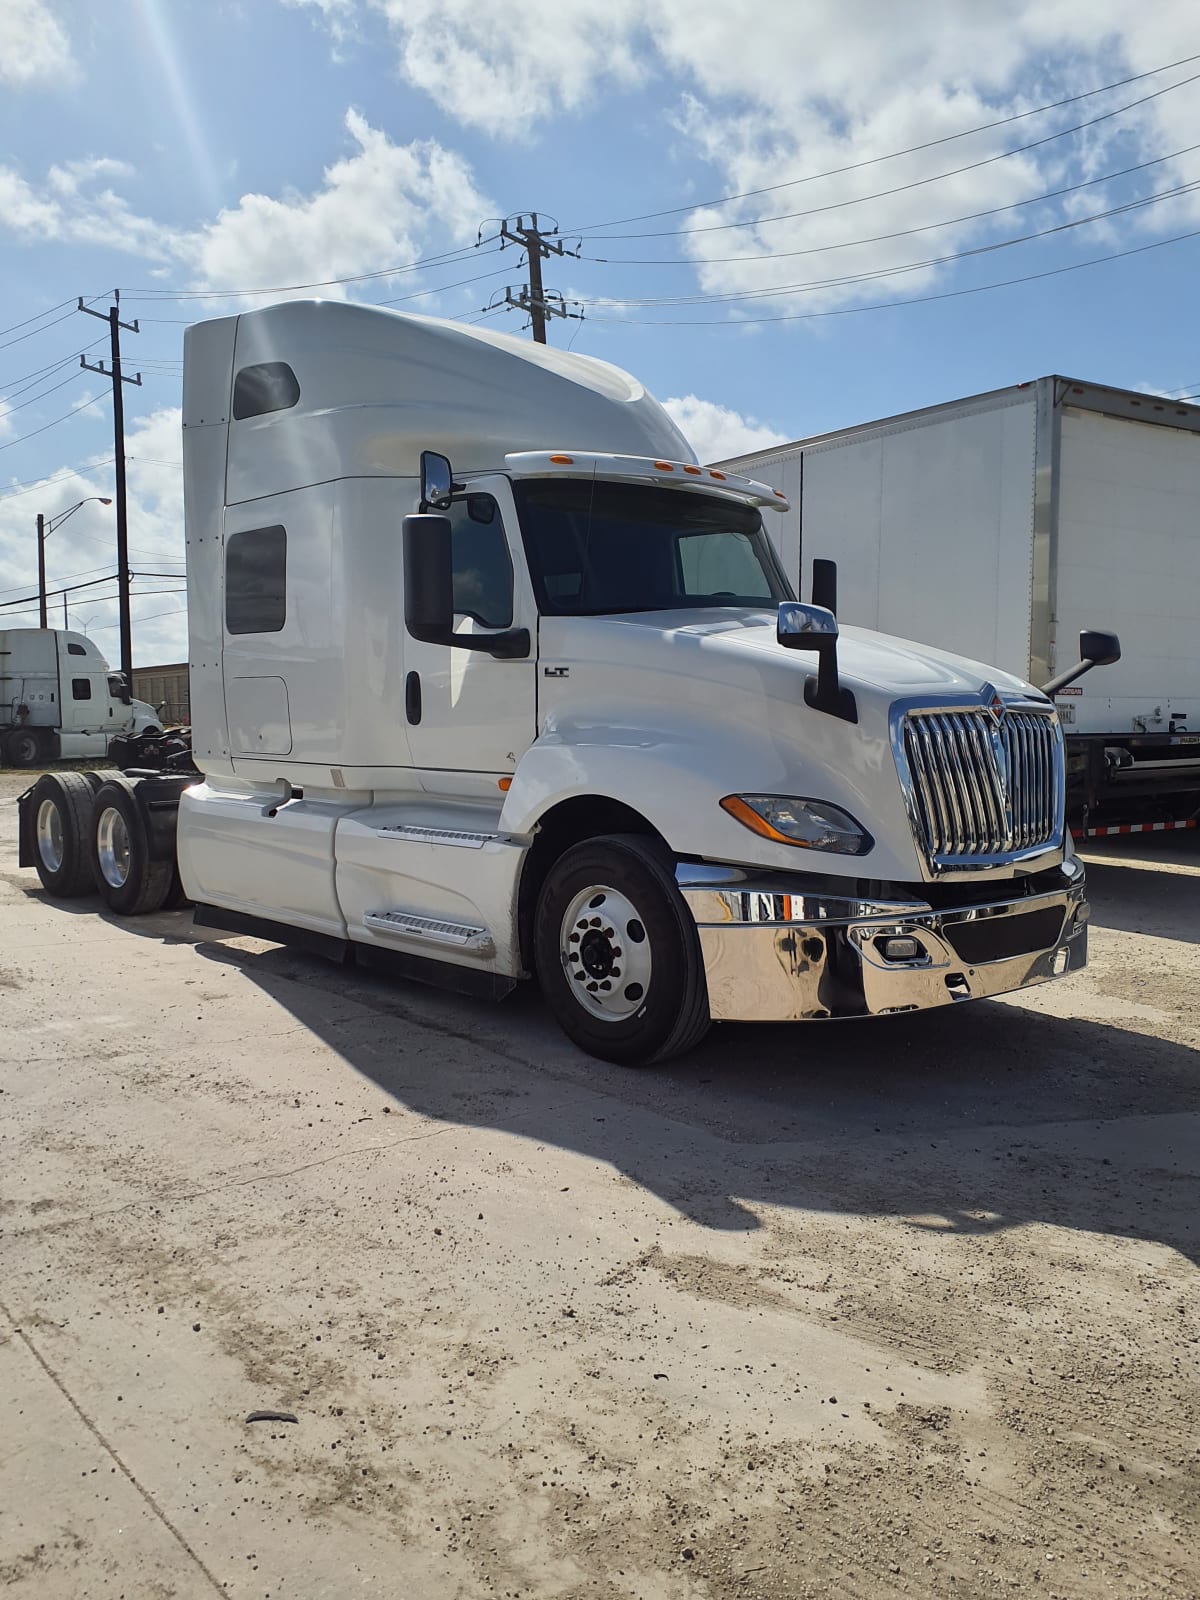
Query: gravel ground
905, 1308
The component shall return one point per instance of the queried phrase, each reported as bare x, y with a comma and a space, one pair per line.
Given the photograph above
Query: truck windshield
597, 548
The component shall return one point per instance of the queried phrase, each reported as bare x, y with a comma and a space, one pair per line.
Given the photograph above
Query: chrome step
417, 834
431, 930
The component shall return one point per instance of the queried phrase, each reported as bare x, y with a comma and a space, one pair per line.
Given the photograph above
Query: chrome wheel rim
112, 848
50, 835
605, 953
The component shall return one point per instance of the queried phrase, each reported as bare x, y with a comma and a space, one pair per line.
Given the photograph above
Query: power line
883, 238
35, 431
15, 386
892, 155
812, 285
324, 283
904, 188
37, 317
33, 399
887, 305
177, 611
31, 485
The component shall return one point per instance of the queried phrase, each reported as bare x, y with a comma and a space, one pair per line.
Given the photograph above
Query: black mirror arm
512, 644
1069, 676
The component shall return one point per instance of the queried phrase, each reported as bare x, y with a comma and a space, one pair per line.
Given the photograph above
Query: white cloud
379, 206
6, 422
715, 432
791, 89
34, 48
84, 546
372, 210
502, 68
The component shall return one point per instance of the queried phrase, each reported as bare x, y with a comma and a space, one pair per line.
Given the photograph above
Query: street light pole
45, 527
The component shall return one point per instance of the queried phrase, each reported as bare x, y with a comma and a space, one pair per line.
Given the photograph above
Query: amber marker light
749, 818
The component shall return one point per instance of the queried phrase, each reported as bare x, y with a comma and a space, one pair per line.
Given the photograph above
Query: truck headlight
811, 824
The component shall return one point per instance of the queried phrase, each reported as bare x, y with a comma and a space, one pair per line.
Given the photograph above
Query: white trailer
490, 679
999, 526
60, 700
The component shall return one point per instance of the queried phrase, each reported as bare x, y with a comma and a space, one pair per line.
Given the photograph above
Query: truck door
468, 711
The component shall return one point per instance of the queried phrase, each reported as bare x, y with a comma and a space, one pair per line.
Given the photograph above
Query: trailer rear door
1128, 558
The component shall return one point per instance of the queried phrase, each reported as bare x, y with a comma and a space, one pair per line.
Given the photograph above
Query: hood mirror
1096, 649
809, 627
437, 482
802, 627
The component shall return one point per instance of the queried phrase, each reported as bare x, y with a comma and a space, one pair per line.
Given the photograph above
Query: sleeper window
81, 688
256, 580
269, 386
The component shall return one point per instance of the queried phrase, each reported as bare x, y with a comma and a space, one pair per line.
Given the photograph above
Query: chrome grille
983, 787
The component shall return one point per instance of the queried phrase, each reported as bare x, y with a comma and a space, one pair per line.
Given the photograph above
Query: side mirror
803, 627
429, 593
428, 576
1096, 649
1101, 649
806, 627
437, 481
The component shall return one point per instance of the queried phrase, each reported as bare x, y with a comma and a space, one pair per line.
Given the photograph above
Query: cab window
483, 574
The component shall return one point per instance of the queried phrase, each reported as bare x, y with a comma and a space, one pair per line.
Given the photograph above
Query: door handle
412, 697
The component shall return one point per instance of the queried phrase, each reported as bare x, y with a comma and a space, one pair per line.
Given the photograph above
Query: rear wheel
62, 828
128, 880
617, 952
23, 748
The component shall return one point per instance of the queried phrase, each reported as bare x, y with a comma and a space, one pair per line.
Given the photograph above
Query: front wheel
617, 953
23, 748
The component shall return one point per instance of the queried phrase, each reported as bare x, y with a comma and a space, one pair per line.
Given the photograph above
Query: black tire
176, 895
129, 882
672, 1015
61, 804
23, 748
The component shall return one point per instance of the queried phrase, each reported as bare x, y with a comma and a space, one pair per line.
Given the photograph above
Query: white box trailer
998, 527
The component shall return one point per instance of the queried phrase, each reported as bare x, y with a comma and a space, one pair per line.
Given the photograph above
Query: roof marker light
563, 461
664, 466
779, 495
695, 471
713, 473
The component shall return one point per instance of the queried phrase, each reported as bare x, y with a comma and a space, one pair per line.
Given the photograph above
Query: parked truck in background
997, 527
491, 680
60, 700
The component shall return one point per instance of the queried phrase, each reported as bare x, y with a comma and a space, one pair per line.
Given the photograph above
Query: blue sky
192, 147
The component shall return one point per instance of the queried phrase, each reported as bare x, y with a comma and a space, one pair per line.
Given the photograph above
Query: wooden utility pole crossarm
532, 297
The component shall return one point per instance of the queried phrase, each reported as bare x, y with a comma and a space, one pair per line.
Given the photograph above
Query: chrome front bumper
783, 948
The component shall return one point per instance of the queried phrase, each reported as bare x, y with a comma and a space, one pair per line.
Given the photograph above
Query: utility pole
113, 318
531, 297
42, 571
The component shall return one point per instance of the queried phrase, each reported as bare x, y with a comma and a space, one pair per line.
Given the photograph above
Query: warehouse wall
170, 684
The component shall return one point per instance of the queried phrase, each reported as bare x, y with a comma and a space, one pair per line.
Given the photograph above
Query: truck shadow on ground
1168, 906
968, 1120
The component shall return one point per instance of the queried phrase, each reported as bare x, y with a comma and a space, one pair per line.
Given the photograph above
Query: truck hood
875, 662
710, 705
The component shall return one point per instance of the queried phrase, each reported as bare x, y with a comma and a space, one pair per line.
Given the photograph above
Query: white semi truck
60, 700
998, 526
491, 680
